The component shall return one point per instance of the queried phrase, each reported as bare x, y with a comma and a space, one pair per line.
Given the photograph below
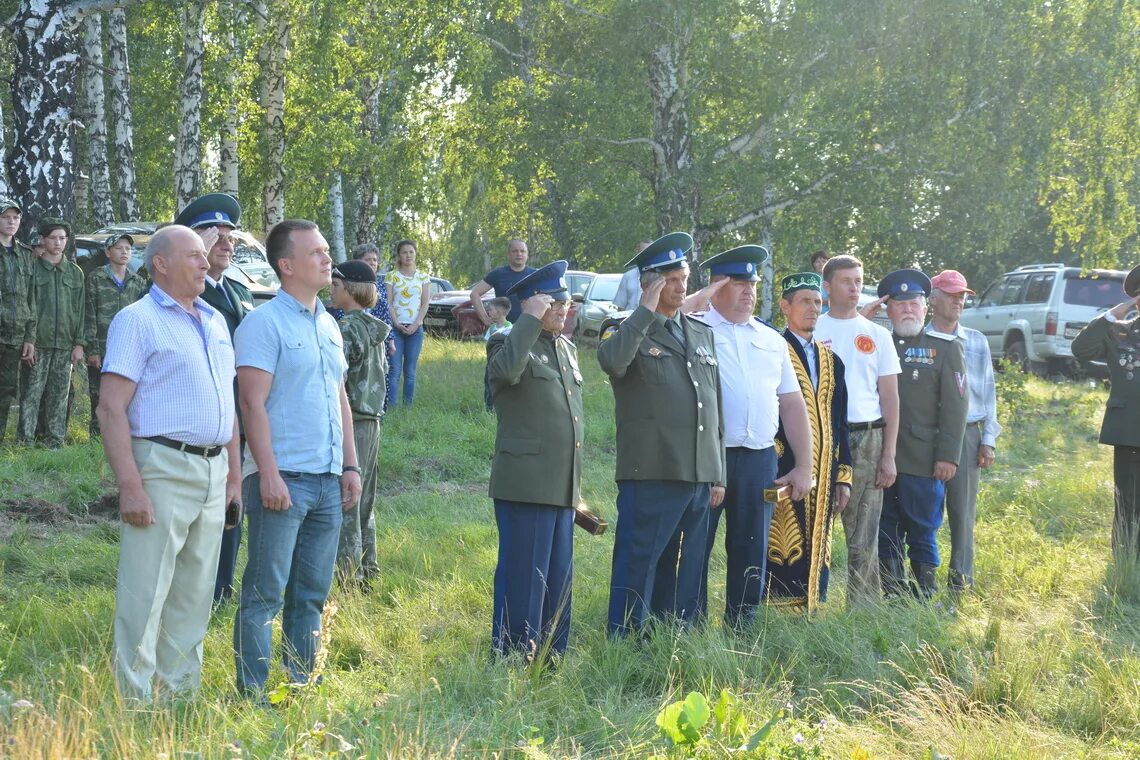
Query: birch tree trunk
676, 198
274, 24
336, 212
122, 116
229, 142
188, 150
41, 163
767, 273
5, 190
368, 195
97, 120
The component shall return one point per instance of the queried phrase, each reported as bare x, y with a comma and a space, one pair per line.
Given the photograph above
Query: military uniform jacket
667, 400
932, 401
364, 349
234, 308
104, 299
17, 307
58, 294
537, 388
1117, 344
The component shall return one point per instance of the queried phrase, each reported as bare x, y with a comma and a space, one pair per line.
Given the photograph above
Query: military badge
865, 344
655, 352
960, 379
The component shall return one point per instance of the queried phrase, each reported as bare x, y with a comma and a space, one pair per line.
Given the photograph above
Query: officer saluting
1116, 341
537, 387
932, 423
670, 444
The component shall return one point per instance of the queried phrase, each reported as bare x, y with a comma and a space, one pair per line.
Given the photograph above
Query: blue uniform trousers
659, 552
747, 517
912, 515
533, 578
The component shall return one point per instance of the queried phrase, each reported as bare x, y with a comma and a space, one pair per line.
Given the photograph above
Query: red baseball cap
950, 281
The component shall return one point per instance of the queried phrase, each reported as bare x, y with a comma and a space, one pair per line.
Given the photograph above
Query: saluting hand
537, 305
209, 237
651, 294
350, 489
870, 310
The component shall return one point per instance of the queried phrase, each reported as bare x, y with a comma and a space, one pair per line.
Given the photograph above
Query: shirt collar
212, 282
958, 332
165, 301
294, 305
714, 318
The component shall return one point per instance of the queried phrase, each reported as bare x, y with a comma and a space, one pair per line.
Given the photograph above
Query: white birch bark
228, 155
336, 212
97, 120
5, 190
368, 196
123, 117
188, 149
274, 24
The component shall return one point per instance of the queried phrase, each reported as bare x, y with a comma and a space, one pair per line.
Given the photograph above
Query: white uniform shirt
867, 354
755, 368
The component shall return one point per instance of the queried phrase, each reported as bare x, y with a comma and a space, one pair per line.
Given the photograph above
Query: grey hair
650, 275
362, 250
159, 244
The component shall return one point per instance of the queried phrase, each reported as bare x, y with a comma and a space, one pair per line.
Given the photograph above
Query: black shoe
957, 583
892, 576
924, 575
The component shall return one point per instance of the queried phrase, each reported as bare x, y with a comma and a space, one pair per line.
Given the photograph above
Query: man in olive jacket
1116, 341
932, 423
535, 475
17, 308
670, 445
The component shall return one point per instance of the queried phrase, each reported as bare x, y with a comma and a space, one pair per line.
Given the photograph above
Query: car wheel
1015, 355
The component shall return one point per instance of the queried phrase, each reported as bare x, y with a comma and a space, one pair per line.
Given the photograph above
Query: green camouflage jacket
17, 309
103, 300
57, 291
364, 337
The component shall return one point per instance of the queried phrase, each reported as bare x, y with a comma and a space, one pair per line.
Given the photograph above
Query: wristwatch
351, 468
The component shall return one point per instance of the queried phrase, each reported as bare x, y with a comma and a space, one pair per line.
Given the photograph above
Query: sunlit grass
1042, 661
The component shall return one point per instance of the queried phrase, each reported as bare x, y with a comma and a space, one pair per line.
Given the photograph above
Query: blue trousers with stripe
912, 515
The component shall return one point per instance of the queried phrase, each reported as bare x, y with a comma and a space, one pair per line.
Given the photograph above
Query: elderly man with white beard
932, 422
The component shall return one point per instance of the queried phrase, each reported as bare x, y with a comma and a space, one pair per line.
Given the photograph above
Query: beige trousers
166, 572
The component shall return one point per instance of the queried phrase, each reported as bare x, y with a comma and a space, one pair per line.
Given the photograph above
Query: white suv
1032, 314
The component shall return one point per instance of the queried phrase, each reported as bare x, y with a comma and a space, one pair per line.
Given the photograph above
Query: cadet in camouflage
17, 309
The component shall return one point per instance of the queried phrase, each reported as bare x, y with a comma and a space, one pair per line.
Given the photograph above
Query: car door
982, 315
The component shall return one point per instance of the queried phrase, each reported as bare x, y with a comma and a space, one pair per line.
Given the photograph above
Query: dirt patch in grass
37, 511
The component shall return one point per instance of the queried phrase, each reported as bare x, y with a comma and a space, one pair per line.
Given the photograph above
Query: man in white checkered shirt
166, 410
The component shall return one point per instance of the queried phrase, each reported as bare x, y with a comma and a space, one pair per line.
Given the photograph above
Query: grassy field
1042, 661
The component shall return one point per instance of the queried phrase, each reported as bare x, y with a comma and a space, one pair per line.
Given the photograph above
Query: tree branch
569, 5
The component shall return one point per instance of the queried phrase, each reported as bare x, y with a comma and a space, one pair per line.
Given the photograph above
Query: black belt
202, 451
873, 425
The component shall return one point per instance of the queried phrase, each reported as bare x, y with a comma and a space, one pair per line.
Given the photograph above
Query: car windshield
1102, 293
604, 288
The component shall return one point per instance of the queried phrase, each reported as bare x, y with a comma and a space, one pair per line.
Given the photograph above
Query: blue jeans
404, 360
291, 558
912, 515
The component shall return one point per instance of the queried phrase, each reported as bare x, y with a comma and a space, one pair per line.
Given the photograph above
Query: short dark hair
401, 243
362, 250
839, 263
820, 254
502, 302
277, 243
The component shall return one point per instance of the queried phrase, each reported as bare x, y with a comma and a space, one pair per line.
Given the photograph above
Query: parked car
1031, 315
597, 305
451, 314
251, 266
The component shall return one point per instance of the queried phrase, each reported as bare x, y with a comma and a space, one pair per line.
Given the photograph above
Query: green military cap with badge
663, 254
7, 203
740, 263
50, 223
801, 281
210, 210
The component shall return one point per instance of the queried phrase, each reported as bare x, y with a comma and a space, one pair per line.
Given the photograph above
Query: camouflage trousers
861, 518
94, 377
9, 382
46, 389
356, 553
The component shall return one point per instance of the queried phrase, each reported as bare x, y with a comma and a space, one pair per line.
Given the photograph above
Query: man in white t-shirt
872, 370
758, 389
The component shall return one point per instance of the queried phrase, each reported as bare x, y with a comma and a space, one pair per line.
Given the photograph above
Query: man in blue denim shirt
298, 428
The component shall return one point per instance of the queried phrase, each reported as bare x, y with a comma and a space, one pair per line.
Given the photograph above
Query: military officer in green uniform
537, 468
1116, 341
57, 290
17, 309
108, 290
670, 444
932, 422
214, 217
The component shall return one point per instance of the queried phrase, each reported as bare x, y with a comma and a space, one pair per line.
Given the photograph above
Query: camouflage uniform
17, 321
58, 293
364, 337
103, 299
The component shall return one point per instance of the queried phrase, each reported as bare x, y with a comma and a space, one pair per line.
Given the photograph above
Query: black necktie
675, 330
225, 296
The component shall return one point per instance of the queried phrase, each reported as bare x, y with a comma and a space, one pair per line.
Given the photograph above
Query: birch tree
122, 116
188, 150
97, 120
228, 153
273, 30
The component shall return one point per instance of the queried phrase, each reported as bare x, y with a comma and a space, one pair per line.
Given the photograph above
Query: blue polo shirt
304, 351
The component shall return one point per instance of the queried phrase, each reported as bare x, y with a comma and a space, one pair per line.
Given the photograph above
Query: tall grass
1041, 661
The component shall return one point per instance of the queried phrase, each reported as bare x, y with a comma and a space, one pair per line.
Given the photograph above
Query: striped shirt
182, 368
979, 381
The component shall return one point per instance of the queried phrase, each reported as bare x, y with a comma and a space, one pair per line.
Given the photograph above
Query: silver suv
1032, 314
